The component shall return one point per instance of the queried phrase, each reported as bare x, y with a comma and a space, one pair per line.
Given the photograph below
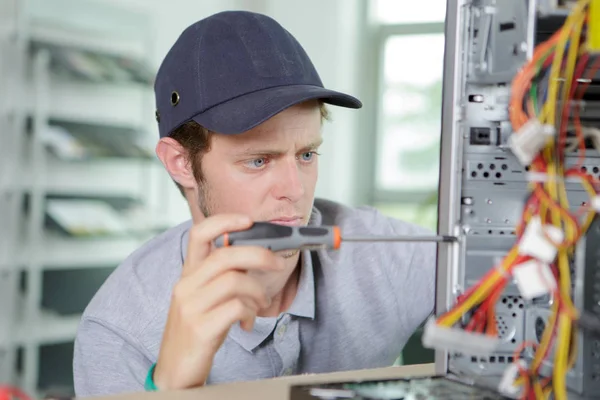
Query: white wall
330, 33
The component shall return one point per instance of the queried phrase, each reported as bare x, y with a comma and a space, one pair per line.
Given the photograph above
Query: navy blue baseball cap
234, 70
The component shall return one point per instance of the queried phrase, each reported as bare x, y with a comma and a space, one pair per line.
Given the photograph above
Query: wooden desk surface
277, 388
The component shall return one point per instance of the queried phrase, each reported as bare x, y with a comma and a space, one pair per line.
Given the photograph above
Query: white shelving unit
30, 174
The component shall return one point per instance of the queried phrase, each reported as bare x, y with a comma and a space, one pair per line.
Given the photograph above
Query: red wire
554, 326
8, 392
578, 96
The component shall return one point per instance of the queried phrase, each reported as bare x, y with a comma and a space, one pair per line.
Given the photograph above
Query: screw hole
474, 174
486, 174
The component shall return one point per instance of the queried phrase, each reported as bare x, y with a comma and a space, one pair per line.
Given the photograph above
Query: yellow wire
559, 373
537, 389
480, 293
572, 55
546, 337
577, 12
557, 192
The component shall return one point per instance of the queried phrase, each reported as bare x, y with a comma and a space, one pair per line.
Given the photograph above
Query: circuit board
433, 388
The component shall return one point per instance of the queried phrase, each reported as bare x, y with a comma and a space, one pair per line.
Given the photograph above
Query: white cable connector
529, 140
534, 279
507, 383
595, 203
457, 340
534, 242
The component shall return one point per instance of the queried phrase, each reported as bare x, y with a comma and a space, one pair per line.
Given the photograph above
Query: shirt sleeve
107, 360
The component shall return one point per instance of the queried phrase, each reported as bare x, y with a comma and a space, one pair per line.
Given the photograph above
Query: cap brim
248, 111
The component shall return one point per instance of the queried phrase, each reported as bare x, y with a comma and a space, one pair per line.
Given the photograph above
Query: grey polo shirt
355, 308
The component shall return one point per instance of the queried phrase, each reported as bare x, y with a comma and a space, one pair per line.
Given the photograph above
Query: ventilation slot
489, 171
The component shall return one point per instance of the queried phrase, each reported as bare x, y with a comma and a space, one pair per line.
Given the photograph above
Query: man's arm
107, 360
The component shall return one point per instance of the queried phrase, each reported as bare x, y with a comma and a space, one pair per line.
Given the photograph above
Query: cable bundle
545, 98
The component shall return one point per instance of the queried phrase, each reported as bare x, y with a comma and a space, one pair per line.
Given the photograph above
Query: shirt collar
303, 305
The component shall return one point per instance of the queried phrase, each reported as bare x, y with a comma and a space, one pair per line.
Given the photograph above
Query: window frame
382, 32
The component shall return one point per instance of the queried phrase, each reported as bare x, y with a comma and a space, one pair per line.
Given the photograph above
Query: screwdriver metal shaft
400, 238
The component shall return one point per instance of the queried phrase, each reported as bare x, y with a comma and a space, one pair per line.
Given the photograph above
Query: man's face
269, 172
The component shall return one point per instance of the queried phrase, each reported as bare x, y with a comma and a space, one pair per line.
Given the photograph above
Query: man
239, 109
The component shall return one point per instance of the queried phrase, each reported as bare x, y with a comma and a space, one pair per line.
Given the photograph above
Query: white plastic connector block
534, 279
595, 202
534, 243
457, 340
507, 383
529, 140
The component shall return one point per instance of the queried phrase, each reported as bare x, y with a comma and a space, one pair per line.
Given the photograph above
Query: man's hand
214, 292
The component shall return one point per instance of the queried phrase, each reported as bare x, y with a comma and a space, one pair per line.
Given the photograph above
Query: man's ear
174, 158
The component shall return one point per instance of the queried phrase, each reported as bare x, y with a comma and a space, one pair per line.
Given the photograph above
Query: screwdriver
281, 237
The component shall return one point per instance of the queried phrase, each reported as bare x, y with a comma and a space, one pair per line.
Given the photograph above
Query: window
409, 12
411, 50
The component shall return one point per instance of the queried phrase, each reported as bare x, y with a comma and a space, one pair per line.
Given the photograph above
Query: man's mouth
290, 221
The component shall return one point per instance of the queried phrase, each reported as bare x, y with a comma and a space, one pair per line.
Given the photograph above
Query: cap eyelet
174, 98
157, 115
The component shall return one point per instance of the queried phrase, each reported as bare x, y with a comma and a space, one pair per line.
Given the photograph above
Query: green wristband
149, 385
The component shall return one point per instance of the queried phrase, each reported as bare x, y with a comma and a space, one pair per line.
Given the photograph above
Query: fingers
244, 258
221, 318
202, 235
225, 287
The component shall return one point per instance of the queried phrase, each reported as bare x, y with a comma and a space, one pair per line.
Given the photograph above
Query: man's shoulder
364, 219
396, 276
139, 288
396, 257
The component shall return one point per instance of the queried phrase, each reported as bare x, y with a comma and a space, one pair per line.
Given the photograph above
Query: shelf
58, 252
79, 142
82, 64
49, 328
117, 177
106, 117
119, 105
90, 24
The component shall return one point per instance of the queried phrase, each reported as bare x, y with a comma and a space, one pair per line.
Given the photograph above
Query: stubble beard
207, 206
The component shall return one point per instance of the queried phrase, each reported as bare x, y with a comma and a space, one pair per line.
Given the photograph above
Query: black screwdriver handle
281, 237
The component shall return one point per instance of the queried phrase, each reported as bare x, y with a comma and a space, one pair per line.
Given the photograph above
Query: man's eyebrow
313, 145
265, 151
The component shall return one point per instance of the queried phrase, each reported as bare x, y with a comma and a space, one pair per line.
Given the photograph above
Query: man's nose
289, 183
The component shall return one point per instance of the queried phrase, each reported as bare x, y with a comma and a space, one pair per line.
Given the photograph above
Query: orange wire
580, 91
522, 82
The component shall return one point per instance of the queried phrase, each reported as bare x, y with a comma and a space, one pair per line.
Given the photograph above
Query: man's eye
308, 156
257, 163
